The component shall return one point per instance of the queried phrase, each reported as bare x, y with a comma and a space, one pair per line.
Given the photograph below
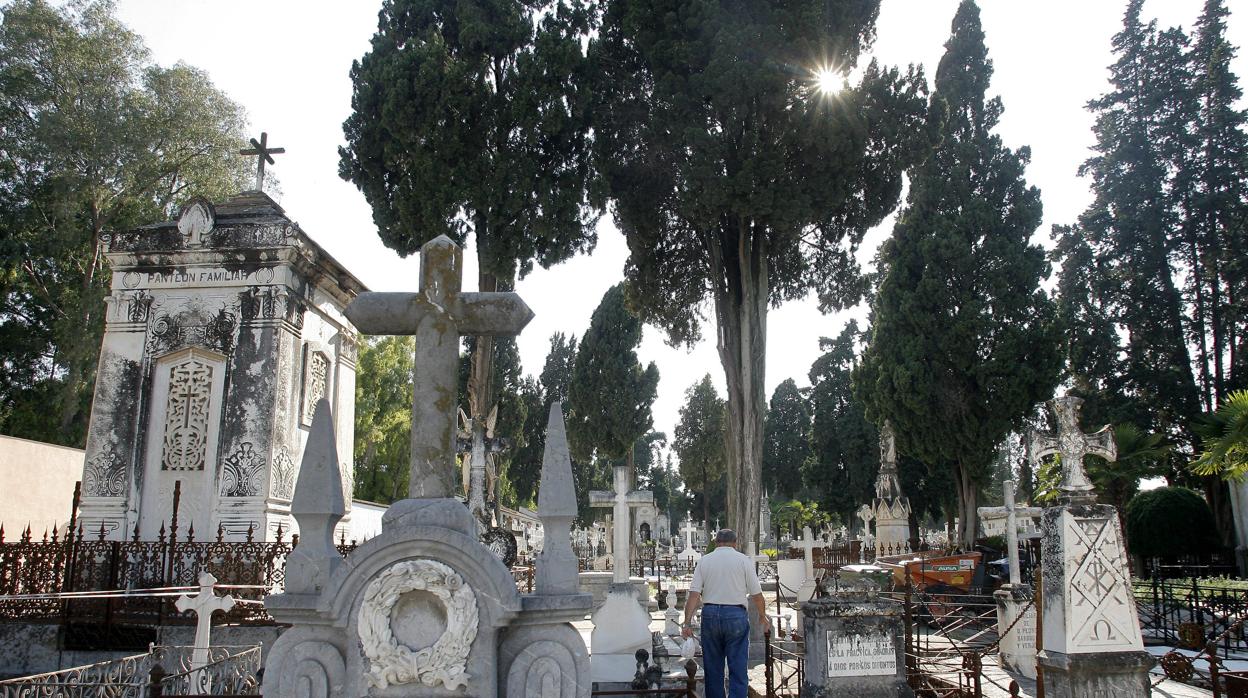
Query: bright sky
287, 63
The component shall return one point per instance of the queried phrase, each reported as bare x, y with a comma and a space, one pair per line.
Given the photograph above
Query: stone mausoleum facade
223, 330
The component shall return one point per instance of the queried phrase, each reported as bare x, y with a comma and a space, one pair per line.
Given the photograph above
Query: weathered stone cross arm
1072, 445
400, 313
437, 315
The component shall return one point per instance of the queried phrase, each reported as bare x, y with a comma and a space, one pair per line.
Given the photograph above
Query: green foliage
964, 339
611, 393
699, 442
1224, 438
736, 181
846, 457
1140, 455
470, 117
95, 138
796, 514
1170, 521
383, 418
786, 440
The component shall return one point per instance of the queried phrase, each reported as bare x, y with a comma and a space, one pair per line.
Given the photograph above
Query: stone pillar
1018, 645
854, 647
1092, 640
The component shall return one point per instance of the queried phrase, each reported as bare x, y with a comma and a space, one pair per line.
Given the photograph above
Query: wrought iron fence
1189, 613
45, 580
229, 671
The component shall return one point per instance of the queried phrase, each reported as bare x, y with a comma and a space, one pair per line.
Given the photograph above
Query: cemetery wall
44, 475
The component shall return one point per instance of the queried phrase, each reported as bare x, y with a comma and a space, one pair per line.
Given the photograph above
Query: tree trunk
738, 259
706, 503
968, 514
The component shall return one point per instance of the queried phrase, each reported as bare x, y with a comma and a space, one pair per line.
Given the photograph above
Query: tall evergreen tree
611, 393
1218, 215
845, 446
699, 443
737, 180
469, 116
1129, 226
786, 447
964, 340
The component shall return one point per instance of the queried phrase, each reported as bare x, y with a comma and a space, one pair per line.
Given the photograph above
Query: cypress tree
964, 341
611, 393
786, 446
846, 457
738, 179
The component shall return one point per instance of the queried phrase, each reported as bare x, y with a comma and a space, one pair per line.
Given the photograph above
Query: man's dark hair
725, 535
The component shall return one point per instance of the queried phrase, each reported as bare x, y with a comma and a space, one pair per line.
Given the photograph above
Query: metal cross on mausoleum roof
263, 154
1072, 444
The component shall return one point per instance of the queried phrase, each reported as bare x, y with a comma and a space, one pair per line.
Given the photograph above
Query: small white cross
204, 604
1010, 513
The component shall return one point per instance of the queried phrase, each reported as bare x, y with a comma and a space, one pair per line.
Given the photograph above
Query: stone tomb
854, 645
222, 331
1091, 628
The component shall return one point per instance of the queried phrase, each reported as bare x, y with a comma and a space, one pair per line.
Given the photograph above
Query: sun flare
826, 81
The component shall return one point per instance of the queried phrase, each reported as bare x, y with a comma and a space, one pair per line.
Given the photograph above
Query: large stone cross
1010, 512
204, 604
1072, 444
688, 529
621, 501
437, 315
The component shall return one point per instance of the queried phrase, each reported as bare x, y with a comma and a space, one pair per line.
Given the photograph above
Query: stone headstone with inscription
223, 328
854, 644
1090, 625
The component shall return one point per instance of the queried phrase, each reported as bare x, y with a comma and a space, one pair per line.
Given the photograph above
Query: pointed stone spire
556, 507
318, 506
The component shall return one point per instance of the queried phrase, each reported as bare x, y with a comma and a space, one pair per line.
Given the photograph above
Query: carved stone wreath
446, 660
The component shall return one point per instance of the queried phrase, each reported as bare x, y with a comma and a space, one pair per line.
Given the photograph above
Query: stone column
1092, 640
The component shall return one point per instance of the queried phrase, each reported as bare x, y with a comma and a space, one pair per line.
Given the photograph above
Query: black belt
726, 605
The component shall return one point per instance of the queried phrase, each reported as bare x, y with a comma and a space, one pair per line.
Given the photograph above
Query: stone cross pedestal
621, 626
424, 608
690, 552
621, 501
1091, 628
1018, 645
203, 604
865, 514
808, 543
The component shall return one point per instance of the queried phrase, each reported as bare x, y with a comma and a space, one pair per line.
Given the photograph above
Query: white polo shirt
726, 577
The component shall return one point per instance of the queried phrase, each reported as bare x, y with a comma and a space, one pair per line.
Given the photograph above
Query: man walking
723, 582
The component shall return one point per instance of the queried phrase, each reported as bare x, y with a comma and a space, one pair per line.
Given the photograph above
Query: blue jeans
725, 636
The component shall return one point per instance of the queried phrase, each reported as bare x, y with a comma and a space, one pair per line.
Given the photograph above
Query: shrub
1170, 521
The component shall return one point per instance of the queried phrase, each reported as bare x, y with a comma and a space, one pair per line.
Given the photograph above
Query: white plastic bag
689, 649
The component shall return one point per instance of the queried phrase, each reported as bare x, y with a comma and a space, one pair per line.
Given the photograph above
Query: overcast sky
287, 63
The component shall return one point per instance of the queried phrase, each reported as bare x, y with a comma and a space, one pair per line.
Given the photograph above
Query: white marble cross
688, 529
437, 315
621, 501
1072, 444
204, 604
1010, 512
866, 514
808, 543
